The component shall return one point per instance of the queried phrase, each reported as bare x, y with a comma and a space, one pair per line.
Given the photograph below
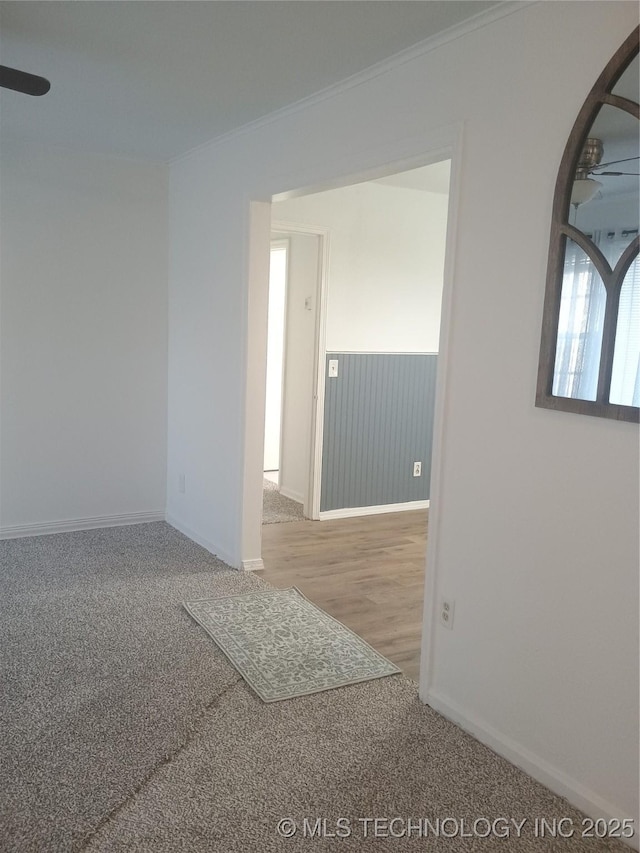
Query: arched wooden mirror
590, 347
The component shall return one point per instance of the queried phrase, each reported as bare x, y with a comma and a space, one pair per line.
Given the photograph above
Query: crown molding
477, 22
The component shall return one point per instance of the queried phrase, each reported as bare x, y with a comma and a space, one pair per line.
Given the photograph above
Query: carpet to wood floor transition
123, 727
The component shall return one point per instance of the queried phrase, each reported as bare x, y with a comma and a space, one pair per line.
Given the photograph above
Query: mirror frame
561, 230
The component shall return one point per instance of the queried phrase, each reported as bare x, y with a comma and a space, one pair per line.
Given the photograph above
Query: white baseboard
211, 547
289, 493
378, 509
253, 565
578, 795
16, 531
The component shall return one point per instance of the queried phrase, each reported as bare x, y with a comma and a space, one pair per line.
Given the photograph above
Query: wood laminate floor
368, 572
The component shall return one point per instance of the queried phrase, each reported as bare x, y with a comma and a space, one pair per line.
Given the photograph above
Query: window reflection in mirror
580, 327
590, 348
625, 377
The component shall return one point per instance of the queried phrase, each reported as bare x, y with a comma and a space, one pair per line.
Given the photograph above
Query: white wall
386, 264
84, 339
534, 513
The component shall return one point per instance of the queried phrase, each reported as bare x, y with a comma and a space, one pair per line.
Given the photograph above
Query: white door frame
316, 391
442, 144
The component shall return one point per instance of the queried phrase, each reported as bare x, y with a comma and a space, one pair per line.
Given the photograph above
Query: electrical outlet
447, 608
181, 484
417, 469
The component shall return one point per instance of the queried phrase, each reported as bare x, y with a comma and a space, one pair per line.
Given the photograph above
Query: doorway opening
380, 338
291, 487
275, 360
283, 497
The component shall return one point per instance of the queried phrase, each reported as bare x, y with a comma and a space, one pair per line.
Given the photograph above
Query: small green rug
284, 646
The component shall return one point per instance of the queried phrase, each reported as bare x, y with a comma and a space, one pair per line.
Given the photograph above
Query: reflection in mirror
628, 85
580, 326
590, 342
612, 214
625, 379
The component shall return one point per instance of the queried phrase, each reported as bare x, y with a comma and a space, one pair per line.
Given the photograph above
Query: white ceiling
155, 79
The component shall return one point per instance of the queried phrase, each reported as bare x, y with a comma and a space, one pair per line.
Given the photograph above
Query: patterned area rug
276, 508
284, 646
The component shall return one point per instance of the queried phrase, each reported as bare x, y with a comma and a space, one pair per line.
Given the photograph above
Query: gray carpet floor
277, 508
124, 728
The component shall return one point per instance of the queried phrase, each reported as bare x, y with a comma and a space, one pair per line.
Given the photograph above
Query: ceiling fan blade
617, 174
20, 81
614, 163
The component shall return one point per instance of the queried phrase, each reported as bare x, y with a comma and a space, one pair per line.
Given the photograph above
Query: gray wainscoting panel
378, 421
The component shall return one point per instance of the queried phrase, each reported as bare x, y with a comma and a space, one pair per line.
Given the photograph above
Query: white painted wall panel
385, 266
84, 337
